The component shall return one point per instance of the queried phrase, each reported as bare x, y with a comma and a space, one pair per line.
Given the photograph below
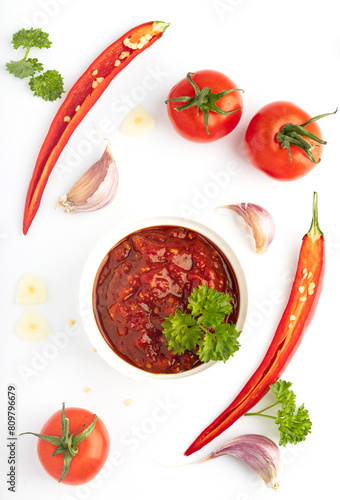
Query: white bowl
92, 265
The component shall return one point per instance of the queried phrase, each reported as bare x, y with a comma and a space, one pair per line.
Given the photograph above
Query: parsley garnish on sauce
204, 326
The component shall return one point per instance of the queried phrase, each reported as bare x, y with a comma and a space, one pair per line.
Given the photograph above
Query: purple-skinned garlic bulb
96, 189
258, 222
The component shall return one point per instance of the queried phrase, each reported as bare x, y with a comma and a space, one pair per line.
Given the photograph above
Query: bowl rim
92, 264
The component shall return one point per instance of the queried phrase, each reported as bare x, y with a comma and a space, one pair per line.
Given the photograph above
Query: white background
274, 51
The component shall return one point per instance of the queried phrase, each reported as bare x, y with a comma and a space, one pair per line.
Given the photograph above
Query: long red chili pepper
297, 316
82, 96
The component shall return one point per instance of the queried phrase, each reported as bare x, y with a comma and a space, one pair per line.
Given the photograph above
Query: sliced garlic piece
32, 325
31, 290
137, 123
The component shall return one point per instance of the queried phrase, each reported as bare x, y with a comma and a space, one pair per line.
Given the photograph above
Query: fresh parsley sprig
203, 327
293, 423
48, 85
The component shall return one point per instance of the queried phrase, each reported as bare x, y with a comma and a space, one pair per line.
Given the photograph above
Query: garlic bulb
259, 224
259, 452
96, 189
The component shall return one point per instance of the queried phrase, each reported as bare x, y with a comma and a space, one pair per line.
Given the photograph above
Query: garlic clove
257, 451
32, 326
137, 123
258, 222
96, 189
31, 290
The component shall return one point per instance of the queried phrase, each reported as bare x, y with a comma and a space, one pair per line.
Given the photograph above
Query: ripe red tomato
92, 452
188, 123
266, 153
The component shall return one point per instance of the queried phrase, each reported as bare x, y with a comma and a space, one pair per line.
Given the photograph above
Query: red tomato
190, 125
92, 452
266, 153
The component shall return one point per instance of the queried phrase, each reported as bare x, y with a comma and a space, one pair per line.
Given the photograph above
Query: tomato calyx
204, 100
297, 135
67, 443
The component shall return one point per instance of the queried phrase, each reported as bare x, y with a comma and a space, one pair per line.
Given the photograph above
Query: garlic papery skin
259, 452
258, 222
96, 189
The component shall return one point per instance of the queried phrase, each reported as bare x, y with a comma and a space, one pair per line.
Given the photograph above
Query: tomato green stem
204, 100
297, 135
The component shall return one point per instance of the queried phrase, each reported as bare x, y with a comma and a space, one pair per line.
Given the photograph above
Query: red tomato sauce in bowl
147, 276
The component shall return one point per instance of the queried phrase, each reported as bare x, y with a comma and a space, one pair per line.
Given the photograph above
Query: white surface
272, 50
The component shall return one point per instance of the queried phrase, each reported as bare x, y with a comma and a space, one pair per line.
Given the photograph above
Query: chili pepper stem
314, 231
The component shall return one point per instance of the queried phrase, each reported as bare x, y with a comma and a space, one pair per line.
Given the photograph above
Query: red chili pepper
297, 316
82, 96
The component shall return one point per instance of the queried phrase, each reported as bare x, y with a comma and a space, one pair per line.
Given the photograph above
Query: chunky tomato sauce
144, 279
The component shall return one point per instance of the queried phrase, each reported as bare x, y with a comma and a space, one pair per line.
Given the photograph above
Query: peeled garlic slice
137, 123
31, 290
32, 326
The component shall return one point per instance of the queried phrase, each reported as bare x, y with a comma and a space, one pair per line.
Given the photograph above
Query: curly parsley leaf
284, 394
31, 38
20, 69
293, 423
49, 85
36, 65
181, 332
24, 67
211, 306
204, 327
293, 426
219, 345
